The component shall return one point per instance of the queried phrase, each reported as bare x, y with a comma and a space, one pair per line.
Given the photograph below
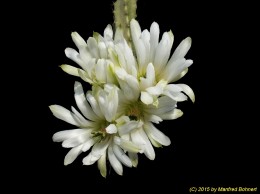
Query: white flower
154, 68
132, 89
101, 130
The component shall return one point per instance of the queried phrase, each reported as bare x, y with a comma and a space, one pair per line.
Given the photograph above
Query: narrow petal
187, 90
134, 158
102, 165
108, 32
66, 134
87, 145
100, 70
140, 138
72, 155
75, 141
162, 52
94, 105
93, 47
74, 56
181, 50
70, 70
128, 127
102, 50
78, 40
154, 38
117, 166
174, 114
90, 159
82, 103
127, 145
180, 75
63, 114
156, 134
121, 156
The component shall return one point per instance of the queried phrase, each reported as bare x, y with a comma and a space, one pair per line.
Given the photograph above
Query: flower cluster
132, 88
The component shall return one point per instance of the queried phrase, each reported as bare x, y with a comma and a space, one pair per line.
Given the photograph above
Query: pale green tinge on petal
187, 90
134, 158
72, 155
117, 166
174, 114
102, 165
154, 142
180, 75
70, 69
84, 76
78, 40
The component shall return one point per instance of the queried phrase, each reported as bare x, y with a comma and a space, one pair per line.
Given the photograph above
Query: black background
215, 142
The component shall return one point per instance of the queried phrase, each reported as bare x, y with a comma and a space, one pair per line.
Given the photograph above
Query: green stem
124, 12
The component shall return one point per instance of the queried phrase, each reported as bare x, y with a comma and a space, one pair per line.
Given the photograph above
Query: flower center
100, 133
134, 112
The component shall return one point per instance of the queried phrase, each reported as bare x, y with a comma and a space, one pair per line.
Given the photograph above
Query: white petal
111, 129
97, 151
63, 114
121, 156
154, 118
138, 43
134, 158
83, 122
72, 155
93, 47
90, 159
117, 166
108, 32
102, 50
66, 134
100, 70
84, 76
75, 141
154, 38
148, 151
187, 90
156, 134
102, 165
82, 102
174, 114
87, 145
127, 145
146, 98
162, 52
150, 77
78, 40
128, 127
181, 50
74, 55
70, 70
180, 75
94, 105
140, 138
165, 104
